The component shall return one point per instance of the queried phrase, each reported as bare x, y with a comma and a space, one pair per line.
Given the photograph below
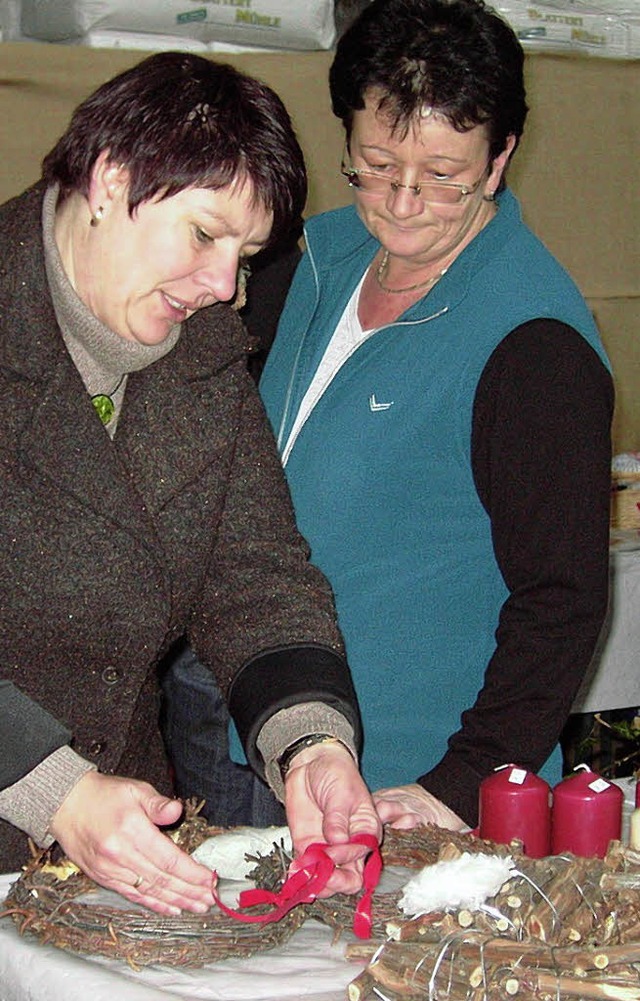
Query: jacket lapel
66, 443
62, 438
177, 417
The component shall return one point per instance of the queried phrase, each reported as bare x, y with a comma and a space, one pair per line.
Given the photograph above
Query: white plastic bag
267, 23
606, 28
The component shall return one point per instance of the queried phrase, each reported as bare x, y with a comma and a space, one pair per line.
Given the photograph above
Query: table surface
309, 966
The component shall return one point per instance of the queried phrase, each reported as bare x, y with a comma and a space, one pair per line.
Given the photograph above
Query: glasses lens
436, 194
371, 182
439, 195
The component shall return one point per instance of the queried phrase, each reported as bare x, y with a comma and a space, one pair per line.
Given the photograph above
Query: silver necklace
382, 267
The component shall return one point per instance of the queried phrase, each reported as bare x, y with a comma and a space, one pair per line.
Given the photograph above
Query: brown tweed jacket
113, 549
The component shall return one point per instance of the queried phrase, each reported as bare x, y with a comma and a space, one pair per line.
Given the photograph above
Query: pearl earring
97, 216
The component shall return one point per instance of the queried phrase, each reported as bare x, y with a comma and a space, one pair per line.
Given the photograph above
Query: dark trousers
194, 724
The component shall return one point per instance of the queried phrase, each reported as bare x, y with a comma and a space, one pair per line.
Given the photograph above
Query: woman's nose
403, 202
220, 277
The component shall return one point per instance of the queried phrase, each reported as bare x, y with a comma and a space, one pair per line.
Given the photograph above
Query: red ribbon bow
303, 886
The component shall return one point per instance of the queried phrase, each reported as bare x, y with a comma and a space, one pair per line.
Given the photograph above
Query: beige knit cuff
289, 725
31, 803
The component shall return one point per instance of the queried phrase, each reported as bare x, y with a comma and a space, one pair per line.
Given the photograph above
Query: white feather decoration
465, 882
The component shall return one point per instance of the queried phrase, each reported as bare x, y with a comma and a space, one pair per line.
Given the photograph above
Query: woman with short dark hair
142, 495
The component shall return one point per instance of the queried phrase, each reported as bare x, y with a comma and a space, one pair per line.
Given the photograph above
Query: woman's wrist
293, 750
31, 803
296, 723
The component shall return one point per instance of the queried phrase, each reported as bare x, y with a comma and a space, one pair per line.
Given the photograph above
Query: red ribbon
314, 870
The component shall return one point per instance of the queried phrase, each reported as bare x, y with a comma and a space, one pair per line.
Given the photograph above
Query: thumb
163, 811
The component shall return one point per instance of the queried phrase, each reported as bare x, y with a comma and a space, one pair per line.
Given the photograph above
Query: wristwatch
289, 753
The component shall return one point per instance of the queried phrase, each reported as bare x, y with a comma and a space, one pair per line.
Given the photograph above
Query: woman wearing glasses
442, 404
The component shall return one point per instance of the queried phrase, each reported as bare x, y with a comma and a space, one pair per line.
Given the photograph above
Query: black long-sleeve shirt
548, 541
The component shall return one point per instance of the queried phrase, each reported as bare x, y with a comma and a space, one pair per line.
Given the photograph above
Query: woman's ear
109, 181
498, 167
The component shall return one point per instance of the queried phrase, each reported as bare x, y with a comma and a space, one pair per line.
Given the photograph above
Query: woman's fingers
108, 827
328, 802
410, 806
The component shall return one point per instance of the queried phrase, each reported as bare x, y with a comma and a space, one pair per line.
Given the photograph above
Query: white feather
465, 882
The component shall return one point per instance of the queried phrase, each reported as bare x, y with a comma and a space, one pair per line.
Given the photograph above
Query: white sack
269, 23
606, 28
225, 853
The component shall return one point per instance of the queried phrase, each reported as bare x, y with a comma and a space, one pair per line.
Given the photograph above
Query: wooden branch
361, 988
563, 986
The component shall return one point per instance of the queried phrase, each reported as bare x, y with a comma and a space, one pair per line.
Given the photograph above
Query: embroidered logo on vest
374, 406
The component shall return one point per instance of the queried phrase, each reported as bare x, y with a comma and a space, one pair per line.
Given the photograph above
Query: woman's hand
327, 801
108, 826
410, 806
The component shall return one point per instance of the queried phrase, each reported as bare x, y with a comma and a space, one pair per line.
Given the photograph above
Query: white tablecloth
307, 967
613, 680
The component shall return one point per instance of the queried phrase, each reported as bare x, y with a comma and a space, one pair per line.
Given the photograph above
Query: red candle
586, 814
634, 822
515, 803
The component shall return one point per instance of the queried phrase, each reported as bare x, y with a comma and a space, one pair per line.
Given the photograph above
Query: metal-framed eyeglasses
432, 192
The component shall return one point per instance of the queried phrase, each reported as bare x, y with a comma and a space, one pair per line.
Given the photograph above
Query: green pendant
105, 407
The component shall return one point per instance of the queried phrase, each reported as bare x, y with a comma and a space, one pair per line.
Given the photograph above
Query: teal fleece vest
381, 476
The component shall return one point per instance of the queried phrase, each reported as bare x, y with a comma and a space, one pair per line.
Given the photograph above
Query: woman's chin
151, 333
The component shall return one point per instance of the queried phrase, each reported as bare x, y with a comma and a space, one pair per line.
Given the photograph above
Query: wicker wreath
561, 929
44, 902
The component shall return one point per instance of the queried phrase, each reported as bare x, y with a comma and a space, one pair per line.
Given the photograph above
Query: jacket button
111, 676
96, 748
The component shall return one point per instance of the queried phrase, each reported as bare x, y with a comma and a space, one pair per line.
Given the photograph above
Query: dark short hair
456, 56
179, 120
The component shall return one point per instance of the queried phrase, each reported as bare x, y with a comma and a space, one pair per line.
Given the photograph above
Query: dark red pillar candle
515, 803
586, 815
